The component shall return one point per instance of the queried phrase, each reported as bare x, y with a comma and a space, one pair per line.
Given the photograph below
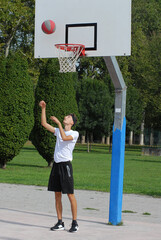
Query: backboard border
83, 25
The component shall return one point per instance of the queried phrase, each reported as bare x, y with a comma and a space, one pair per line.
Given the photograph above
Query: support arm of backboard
120, 91
118, 141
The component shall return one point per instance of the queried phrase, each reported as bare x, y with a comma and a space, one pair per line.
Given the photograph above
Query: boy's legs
58, 204
66, 185
73, 203
59, 208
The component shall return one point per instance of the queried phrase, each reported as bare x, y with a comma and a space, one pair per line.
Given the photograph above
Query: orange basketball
48, 26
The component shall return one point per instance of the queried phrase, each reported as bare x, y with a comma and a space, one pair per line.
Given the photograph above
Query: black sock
74, 222
60, 221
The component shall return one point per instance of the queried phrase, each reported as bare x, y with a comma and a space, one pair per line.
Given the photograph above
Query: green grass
128, 211
142, 174
27, 168
93, 209
146, 213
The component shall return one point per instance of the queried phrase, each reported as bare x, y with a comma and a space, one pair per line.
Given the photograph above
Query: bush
57, 90
16, 106
95, 107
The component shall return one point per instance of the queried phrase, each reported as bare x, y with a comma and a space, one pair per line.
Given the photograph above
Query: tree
16, 106
146, 14
144, 64
17, 31
134, 110
17, 25
57, 90
95, 107
153, 107
94, 68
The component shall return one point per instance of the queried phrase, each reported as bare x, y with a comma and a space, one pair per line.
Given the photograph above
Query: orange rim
71, 47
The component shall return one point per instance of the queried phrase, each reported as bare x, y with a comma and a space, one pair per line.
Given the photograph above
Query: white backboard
103, 26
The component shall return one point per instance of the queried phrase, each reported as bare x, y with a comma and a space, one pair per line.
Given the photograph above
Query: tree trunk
131, 138
3, 165
142, 134
88, 147
8, 43
50, 164
83, 139
103, 140
90, 141
110, 147
151, 138
91, 138
8, 46
108, 140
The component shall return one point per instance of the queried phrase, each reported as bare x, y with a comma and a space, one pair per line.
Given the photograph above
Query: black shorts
61, 178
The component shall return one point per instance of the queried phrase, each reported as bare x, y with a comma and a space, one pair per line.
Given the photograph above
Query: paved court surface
28, 212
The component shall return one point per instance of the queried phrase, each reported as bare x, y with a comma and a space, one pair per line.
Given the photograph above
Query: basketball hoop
68, 55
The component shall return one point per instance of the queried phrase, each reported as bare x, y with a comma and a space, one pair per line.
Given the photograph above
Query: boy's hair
74, 117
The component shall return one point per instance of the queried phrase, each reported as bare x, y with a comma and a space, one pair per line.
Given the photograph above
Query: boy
61, 177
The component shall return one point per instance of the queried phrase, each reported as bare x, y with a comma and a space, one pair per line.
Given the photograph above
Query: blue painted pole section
117, 173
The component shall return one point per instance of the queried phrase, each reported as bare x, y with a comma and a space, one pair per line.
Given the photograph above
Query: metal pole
118, 141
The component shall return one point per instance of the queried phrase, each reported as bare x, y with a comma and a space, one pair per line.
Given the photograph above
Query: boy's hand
54, 119
42, 104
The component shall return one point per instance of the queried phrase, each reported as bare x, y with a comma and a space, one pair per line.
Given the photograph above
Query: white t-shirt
64, 149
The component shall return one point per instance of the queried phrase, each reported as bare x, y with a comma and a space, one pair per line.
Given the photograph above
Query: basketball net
68, 54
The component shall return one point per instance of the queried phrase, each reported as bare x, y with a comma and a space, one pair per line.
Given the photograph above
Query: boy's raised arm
44, 123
